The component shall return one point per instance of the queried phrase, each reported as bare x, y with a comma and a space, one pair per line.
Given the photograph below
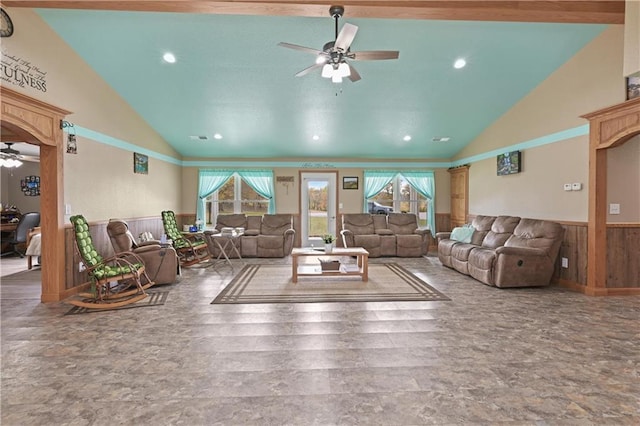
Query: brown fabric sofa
505, 251
395, 234
161, 263
270, 235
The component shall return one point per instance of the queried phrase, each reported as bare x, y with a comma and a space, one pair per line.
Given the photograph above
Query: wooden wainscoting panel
623, 256
574, 248
443, 222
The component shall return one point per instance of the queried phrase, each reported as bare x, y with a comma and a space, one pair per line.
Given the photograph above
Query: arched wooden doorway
37, 122
608, 128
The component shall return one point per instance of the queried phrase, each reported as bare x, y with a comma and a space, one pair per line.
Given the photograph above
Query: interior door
318, 207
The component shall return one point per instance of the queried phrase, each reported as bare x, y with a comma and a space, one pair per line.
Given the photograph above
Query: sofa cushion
409, 245
231, 221
358, 223
461, 251
540, 234
501, 229
384, 232
482, 225
481, 265
275, 224
371, 243
402, 223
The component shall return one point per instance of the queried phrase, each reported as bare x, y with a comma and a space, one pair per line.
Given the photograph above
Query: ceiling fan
334, 54
10, 157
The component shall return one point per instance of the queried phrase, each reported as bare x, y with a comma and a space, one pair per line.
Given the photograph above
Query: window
401, 197
235, 196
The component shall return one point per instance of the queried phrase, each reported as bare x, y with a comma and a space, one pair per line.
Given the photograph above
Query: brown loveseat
505, 251
270, 235
395, 234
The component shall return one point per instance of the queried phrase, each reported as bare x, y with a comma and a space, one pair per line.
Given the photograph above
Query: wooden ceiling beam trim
558, 11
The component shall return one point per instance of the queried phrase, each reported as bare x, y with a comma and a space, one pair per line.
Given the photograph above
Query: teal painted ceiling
232, 78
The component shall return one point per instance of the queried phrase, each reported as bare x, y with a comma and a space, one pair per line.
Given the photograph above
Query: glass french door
318, 207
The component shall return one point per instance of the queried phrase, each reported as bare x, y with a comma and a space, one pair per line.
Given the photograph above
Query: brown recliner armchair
161, 263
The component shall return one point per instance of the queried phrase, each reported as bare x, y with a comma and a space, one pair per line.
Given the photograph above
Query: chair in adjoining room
115, 281
191, 248
161, 263
19, 236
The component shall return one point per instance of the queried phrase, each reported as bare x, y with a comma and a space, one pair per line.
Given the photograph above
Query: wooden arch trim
608, 128
39, 123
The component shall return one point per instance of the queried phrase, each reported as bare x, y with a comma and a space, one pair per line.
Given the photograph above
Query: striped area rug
388, 282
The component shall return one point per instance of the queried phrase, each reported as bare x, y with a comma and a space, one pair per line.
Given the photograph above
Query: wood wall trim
608, 127
623, 225
40, 123
594, 11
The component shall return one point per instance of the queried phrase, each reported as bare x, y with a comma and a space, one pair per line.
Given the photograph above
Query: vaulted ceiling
231, 78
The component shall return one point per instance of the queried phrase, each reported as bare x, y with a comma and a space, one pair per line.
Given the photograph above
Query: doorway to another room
318, 207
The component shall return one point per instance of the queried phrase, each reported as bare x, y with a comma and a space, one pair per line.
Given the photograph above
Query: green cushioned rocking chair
115, 281
191, 248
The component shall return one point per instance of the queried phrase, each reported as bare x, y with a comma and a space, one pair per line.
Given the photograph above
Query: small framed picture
633, 87
140, 163
350, 182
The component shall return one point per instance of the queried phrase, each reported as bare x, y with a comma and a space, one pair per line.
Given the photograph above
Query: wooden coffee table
362, 263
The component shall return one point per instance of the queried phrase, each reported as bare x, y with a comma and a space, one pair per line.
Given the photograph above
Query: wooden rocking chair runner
191, 249
115, 281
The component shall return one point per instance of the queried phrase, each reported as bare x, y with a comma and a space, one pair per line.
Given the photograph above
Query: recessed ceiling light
459, 63
217, 136
169, 57
407, 138
441, 139
315, 137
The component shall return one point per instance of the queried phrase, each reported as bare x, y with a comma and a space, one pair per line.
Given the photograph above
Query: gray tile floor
541, 356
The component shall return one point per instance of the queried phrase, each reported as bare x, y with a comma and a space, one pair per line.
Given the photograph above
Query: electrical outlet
81, 267
565, 262
567, 187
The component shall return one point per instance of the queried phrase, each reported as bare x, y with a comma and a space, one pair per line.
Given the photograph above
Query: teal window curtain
261, 181
374, 182
209, 181
424, 183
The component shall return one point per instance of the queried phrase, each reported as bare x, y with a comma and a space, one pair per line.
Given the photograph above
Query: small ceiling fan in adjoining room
334, 54
10, 157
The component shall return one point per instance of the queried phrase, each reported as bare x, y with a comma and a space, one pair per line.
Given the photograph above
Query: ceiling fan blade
301, 48
346, 36
309, 69
355, 75
374, 55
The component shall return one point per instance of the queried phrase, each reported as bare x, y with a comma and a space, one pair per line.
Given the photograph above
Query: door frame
39, 123
333, 175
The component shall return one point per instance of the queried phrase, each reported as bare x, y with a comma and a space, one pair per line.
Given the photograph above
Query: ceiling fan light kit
9, 157
334, 54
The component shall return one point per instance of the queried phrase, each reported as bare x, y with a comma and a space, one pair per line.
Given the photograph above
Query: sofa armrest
347, 238
147, 248
443, 235
149, 243
289, 239
521, 251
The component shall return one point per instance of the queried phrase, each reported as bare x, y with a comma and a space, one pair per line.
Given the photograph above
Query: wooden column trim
608, 128
39, 123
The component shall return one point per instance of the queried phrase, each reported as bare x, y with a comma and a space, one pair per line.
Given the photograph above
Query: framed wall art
140, 163
633, 87
350, 182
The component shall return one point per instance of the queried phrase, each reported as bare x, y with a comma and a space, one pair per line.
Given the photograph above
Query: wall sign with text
19, 71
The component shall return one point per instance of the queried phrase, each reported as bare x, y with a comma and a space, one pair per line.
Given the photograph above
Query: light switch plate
567, 187
576, 186
614, 208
